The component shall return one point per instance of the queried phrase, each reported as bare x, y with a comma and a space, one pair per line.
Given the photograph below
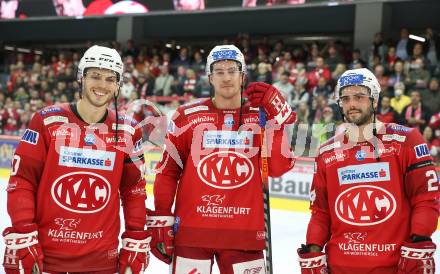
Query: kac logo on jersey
225, 170
421, 151
86, 158
89, 139
30, 137
81, 192
360, 155
374, 172
365, 205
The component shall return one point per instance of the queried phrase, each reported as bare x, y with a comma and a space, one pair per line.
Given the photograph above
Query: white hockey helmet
101, 57
225, 52
358, 77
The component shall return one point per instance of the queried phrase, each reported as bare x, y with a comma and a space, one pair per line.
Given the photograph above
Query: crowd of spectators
408, 72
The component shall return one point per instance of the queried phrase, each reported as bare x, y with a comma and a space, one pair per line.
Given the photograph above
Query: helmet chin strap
115, 98
375, 146
81, 88
242, 100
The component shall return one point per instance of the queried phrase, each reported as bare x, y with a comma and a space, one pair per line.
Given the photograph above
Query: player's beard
364, 118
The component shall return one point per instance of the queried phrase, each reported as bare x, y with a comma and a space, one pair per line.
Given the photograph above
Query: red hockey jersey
67, 177
212, 170
364, 208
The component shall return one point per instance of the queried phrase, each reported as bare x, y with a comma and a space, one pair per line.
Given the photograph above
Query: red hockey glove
417, 258
23, 253
161, 226
134, 256
266, 96
311, 262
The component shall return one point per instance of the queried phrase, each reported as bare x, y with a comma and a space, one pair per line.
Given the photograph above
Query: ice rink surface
288, 232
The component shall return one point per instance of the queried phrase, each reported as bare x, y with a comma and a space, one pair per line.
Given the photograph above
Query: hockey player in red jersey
68, 172
374, 196
211, 169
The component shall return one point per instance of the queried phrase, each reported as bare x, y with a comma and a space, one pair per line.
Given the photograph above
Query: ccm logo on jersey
421, 151
30, 137
227, 139
225, 170
81, 192
86, 158
365, 205
375, 172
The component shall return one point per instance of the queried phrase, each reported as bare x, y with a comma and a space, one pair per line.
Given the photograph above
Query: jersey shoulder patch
395, 128
54, 110
195, 106
55, 114
331, 144
125, 119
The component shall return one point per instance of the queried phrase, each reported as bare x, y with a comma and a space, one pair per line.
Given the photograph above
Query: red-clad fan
374, 196
71, 168
211, 169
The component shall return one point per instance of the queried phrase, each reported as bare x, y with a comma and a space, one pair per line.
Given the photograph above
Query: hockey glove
417, 258
161, 226
311, 262
134, 256
23, 253
272, 101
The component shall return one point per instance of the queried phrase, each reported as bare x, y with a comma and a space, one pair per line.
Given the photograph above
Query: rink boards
289, 192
